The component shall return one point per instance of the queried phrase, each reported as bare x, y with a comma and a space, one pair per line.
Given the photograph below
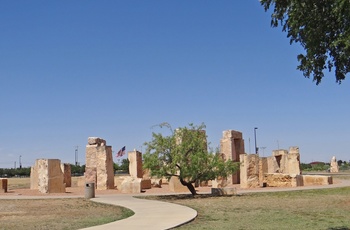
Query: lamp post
256, 148
76, 155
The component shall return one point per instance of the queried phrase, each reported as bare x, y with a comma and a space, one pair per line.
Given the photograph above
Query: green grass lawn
305, 209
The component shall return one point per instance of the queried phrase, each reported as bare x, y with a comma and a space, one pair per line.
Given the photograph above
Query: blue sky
113, 69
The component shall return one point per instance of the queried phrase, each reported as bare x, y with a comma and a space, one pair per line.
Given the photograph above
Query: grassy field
54, 214
57, 214
305, 209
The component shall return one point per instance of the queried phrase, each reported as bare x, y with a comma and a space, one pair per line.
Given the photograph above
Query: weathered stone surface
79, 182
334, 165
156, 182
176, 186
3, 185
90, 175
131, 185
316, 180
231, 147
67, 175
34, 177
96, 141
249, 170
48, 176
118, 180
146, 184
262, 170
99, 156
135, 164
283, 162
220, 183
280, 180
223, 191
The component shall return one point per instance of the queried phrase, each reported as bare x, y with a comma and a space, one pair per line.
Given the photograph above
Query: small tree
184, 154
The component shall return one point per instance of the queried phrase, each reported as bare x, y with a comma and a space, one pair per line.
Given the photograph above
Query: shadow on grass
339, 228
182, 196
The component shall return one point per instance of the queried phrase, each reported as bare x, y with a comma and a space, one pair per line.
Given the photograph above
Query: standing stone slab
67, 174
99, 156
47, 176
176, 186
334, 165
249, 170
135, 164
3, 185
232, 146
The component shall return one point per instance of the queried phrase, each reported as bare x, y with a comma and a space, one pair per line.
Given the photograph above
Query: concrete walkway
149, 214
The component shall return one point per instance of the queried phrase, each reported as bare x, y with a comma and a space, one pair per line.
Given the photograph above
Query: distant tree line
76, 170
321, 166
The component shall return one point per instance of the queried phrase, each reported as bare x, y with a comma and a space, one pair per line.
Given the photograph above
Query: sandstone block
249, 170
131, 185
280, 180
135, 164
96, 141
156, 182
67, 175
316, 180
48, 176
3, 185
334, 165
176, 186
100, 157
146, 184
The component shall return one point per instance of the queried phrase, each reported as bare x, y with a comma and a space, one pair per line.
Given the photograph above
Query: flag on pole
121, 152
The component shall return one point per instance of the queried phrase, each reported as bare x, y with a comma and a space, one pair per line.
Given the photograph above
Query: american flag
121, 152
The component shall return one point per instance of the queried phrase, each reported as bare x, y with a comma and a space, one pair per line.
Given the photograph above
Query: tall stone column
135, 164
232, 146
99, 164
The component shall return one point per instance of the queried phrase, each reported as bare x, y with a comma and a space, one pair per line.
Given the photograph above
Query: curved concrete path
149, 214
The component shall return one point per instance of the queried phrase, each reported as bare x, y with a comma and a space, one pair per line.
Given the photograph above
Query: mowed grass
57, 214
54, 214
306, 209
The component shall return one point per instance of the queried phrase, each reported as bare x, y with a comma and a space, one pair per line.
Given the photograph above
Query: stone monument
46, 176
334, 165
99, 164
232, 146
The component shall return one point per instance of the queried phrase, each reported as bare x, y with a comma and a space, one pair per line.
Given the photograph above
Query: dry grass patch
72, 213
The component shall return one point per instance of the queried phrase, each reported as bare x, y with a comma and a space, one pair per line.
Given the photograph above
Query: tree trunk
189, 186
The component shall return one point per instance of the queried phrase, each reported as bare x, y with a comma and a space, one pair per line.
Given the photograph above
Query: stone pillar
249, 170
232, 146
135, 164
262, 170
3, 185
293, 159
47, 176
67, 174
99, 164
334, 165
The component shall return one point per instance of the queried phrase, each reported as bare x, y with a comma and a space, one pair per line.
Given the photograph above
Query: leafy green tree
122, 166
77, 170
184, 154
322, 27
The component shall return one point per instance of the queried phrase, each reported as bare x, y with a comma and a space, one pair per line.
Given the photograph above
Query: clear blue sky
113, 69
